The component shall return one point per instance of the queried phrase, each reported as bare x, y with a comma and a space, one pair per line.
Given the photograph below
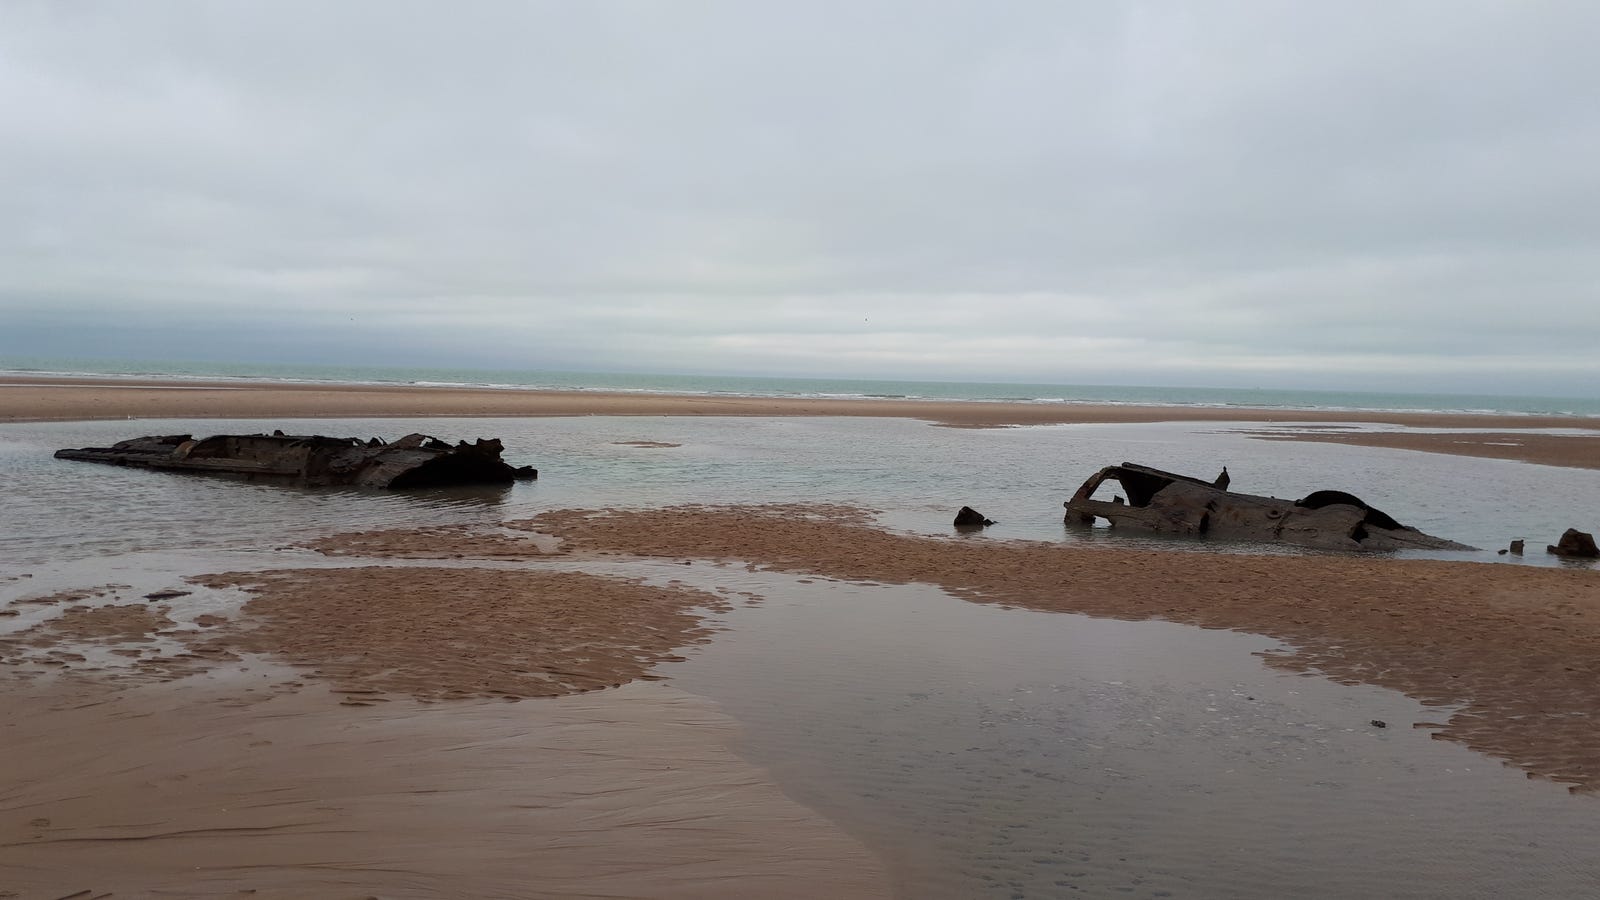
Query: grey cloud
1056, 191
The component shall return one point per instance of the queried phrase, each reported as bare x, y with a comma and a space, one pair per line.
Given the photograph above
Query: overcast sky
1370, 194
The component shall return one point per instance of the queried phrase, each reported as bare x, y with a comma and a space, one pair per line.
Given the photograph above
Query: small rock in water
167, 594
968, 517
1379, 723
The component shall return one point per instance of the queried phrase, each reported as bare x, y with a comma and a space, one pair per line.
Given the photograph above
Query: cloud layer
1397, 195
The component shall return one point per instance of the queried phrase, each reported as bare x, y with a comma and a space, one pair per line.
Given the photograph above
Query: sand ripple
435, 633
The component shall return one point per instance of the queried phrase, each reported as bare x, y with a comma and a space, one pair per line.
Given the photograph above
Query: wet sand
72, 399
1513, 647
348, 734
249, 786
457, 633
1571, 451
1515, 650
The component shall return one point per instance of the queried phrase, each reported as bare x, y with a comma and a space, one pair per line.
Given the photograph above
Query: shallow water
1009, 753
918, 474
986, 752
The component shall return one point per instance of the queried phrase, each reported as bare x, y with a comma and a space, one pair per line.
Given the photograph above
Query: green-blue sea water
765, 386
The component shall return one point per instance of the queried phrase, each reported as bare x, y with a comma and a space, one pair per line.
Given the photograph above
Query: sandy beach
1576, 451
454, 654
72, 399
256, 787
382, 717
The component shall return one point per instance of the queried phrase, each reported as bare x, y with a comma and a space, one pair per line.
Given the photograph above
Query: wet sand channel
1009, 753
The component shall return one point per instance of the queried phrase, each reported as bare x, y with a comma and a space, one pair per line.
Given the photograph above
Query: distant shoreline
21, 399
818, 387
60, 398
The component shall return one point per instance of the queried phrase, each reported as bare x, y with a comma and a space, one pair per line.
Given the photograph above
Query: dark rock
1576, 544
1379, 723
167, 594
1516, 546
971, 518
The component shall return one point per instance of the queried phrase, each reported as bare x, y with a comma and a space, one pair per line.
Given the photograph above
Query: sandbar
46, 398
1575, 451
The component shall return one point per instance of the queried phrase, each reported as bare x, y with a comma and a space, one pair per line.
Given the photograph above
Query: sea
836, 388
982, 752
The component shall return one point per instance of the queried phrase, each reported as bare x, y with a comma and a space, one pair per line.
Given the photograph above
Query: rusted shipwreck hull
415, 460
1168, 503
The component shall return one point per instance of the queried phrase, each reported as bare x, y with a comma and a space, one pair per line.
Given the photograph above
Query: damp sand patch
422, 631
453, 633
432, 542
200, 789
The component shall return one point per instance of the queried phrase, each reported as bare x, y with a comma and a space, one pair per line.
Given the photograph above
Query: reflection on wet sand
250, 783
